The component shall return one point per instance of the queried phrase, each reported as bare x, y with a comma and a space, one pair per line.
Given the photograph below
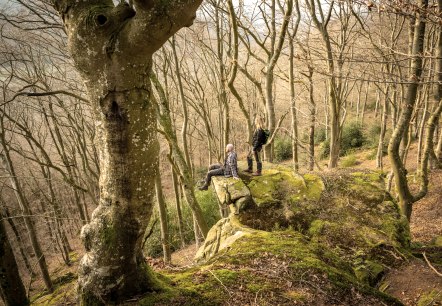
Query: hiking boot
258, 170
249, 165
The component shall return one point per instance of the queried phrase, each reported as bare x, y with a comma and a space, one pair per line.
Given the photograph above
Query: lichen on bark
112, 47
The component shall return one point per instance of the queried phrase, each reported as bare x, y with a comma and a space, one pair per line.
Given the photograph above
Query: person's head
229, 147
258, 122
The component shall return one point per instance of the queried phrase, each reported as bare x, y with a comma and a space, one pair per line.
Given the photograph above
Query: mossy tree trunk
162, 212
112, 47
177, 157
177, 193
12, 290
234, 70
294, 111
321, 20
406, 198
277, 42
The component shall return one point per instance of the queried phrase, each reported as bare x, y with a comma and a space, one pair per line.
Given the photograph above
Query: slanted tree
12, 290
112, 47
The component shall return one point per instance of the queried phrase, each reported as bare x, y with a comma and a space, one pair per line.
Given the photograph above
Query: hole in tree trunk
101, 20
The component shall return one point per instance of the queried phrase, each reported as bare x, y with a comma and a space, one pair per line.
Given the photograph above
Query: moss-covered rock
222, 235
231, 191
340, 231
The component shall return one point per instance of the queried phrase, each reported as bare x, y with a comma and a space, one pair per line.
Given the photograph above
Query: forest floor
414, 278
407, 283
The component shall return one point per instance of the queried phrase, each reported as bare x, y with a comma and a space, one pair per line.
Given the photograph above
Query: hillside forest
112, 111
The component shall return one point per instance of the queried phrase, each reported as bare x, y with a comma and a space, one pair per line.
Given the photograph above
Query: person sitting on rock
229, 169
259, 139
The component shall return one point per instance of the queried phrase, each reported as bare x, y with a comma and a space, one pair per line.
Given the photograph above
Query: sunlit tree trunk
112, 47
163, 218
406, 199
177, 193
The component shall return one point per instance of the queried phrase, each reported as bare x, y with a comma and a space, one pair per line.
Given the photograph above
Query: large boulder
231, 191
221, 236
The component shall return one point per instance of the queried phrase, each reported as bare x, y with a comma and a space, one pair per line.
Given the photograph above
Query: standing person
229, 169
259, 139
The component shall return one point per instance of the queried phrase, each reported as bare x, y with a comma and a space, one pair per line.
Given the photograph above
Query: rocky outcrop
222, 235
231, 191
339, 229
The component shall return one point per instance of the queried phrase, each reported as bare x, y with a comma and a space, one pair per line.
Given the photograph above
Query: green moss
433, 297
315, 187
317, 226
437, 241
369, 272
294, 295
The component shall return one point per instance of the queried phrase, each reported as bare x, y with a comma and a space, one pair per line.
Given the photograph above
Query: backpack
266, 136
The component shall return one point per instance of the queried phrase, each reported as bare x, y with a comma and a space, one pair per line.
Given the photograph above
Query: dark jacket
258, 139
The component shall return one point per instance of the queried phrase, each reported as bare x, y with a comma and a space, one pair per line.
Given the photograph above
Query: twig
150, 232
429, 264
216, 277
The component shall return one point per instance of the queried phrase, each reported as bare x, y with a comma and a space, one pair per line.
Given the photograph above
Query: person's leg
257, 154
249, 163
215, 172
215, 166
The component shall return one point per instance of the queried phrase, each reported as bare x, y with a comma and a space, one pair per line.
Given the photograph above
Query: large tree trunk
11, 287
112, 46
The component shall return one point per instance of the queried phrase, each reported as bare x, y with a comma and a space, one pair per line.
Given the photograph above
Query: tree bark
178, 206
406, 199
177, 159
163, 218
380, 151
11, 286
275, 53
24, 207
112, 47
6, 215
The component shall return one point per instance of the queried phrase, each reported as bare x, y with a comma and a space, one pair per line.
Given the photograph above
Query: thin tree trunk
380, 152
179, 161
184, 105
406, 199
178, 206
11, 286
274, 55
293, 106
364, 105
163, 218
312, 108
24, 206
20, 243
